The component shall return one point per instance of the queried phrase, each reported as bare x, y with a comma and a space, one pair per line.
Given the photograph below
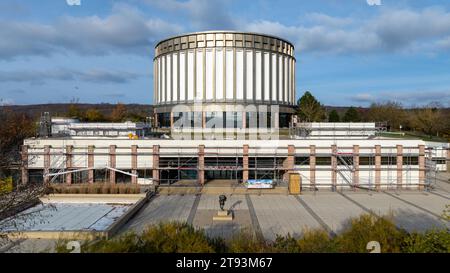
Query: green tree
309, 108
74, 111
430, 119
352, 115
94, 115
334, 116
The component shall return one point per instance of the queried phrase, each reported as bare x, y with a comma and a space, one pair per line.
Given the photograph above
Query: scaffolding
334, 130
227, 163
221, 163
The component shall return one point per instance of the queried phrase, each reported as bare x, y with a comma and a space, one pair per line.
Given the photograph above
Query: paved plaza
269, 215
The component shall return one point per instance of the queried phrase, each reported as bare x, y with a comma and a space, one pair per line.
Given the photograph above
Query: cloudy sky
348, 52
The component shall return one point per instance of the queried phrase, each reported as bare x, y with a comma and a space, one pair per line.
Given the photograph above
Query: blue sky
348, 52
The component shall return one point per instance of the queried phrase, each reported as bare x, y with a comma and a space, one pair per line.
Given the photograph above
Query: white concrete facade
375, 163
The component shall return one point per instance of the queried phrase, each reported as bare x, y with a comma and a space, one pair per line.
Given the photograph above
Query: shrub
74, 189
285, 244
432, 241
218, 244
316, 241
106, 189
446, 213
174, 238
122, 189
368, 228
247, 242
125, 243
178, 237
61, 246
84, 189
113, 189
97, 188
6, 185
91, 189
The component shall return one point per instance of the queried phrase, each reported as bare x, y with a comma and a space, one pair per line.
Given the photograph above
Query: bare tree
13, 208
14, 199
390, 112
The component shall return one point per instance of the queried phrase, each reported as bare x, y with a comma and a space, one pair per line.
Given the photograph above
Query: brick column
289, 162
356, 165
203, 120
24, 166
201, 164
46, 163
377, 167
69, 162
399, 166
155, 117
421, 166
334, 166
171, 119
448, 160
112, 163
134, 163
91, 163
245, 163
312, 166
277, 120
244, 120
156, 164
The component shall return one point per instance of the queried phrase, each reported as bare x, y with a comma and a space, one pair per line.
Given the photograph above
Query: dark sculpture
222, 199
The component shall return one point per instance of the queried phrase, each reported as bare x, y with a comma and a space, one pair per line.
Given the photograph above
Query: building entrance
223, 175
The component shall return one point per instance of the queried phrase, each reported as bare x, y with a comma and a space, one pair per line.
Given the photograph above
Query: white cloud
443, 44
202, 14
391, 30
38, 77
6, 101
405, 97
324, 19
363, 97
126, 30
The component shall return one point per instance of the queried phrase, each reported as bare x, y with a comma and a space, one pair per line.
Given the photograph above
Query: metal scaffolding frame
262, 164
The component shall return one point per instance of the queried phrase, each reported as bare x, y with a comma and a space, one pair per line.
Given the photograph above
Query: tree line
431, 119
119, 113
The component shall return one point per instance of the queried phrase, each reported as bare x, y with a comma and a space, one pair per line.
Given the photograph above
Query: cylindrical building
223, 69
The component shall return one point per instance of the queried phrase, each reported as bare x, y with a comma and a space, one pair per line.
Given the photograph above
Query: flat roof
103, 142
225, 31
70, 217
